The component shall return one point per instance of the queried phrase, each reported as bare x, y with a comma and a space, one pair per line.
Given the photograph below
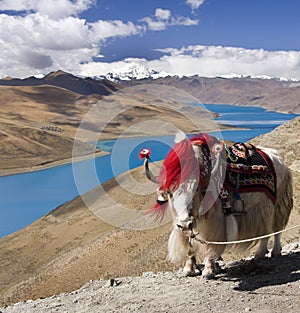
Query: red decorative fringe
204, 138
180, 165
158, 211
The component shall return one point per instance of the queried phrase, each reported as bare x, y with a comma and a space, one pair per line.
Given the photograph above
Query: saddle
249, 169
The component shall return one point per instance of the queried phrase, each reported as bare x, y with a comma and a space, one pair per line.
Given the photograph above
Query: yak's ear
179, 136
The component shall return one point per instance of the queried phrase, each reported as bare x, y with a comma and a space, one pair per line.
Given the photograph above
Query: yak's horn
218, 150
148, 173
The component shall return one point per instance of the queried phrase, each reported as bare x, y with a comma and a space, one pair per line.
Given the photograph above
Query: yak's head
185, 176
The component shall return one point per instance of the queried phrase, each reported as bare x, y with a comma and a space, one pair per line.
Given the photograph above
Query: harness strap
236, 192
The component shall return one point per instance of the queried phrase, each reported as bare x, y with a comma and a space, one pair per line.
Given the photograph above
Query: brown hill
40, 117
38, 125
82, 86
70, 245
39, 122
271, 94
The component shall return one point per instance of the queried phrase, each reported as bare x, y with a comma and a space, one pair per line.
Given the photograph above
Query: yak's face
181, 202
188, 169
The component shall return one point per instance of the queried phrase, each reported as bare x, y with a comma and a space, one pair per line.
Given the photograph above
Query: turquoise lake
26, 197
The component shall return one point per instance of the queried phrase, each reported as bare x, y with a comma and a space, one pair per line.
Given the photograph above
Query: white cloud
162, 19
36, 43
49, 35
46, 35
183, 21
194, 4
162, 14
55, 9
14, 5
102, 30
211, 61
155, 24
218, 61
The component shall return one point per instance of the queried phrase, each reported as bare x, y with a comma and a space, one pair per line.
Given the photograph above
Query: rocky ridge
265, 286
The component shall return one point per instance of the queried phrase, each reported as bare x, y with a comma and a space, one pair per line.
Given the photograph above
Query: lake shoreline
56, 182
96, 154
59, 162
50, 164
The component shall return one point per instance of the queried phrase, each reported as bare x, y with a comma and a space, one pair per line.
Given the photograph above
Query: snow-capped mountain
133, 70
136, 71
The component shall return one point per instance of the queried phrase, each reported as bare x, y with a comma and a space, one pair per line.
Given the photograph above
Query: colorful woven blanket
249, 169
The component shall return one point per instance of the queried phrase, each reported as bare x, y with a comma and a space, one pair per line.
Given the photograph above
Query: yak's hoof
275, 254
218, 268
260, 256
208, 276
184, 273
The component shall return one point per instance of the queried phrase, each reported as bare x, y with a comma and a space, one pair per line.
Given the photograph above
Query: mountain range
133, 71
136, 71
271, 94
83, 86
277, 94
40, 116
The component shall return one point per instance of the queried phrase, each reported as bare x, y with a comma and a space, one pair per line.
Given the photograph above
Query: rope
193, 236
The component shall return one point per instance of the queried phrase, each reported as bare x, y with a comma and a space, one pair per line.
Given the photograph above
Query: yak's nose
190, 225
186, 225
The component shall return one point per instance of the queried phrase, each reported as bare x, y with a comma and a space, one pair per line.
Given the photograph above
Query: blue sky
184, 37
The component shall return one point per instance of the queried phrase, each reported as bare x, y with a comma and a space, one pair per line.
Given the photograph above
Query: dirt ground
265, 286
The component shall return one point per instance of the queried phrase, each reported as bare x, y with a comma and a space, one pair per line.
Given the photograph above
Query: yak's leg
209, 270
276, 250
190, 265
262, 249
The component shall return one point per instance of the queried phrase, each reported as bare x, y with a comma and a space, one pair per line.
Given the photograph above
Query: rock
148, 274
113, 282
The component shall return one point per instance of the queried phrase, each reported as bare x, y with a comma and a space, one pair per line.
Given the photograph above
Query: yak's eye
161, 199
161, 202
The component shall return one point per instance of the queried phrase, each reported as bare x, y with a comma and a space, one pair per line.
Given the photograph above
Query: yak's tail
284, 202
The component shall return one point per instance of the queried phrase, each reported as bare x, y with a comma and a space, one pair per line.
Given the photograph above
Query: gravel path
270, 285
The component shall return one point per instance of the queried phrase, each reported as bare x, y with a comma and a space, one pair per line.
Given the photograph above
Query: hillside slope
40, 117
61, 79
271, 94
38, 125
265, 286
39, 122
70, 246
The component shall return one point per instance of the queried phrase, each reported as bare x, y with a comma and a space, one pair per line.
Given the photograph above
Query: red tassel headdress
180, 165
